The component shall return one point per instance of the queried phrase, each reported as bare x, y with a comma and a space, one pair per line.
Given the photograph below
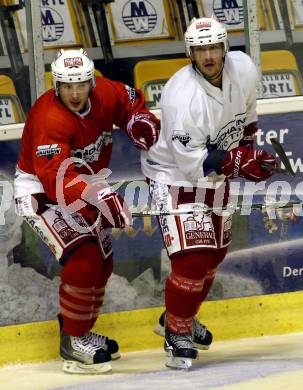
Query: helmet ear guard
72, 66
205, 31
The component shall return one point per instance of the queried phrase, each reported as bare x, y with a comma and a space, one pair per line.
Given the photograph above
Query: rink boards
228, 319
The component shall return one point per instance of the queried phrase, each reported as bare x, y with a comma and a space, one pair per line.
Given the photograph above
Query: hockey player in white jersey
208, 122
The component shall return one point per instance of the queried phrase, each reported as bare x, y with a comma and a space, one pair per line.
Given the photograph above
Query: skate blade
202, 346
160, 330
178, 362
115, 355
74, 367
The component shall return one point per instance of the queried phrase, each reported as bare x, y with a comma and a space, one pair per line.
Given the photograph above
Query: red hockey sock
217, 258
105, 274
183, 289
80, 288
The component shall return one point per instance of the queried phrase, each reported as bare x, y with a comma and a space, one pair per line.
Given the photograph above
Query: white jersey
197, 116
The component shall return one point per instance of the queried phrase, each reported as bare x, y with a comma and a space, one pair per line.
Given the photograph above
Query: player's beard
212, 78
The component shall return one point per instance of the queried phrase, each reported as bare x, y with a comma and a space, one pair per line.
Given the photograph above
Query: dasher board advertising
231, 13
139, 20
59, 24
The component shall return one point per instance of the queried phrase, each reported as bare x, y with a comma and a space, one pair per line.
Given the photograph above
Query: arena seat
151, 75
48, 80
281, 75
7, 85
11, 110
98, 73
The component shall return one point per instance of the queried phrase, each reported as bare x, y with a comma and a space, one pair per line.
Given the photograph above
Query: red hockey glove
114, 212
143, 130
249, 133
246, 162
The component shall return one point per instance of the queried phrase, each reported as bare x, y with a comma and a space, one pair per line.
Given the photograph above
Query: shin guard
217, 257
183, 289
81, 294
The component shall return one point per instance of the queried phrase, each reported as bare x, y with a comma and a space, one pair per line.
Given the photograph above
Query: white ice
269, 363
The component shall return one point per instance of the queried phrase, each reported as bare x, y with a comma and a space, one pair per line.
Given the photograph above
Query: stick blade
282, 155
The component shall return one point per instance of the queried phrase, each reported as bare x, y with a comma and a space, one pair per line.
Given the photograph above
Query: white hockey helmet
72, 66
205, 31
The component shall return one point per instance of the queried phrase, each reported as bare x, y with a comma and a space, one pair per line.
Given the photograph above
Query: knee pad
83, 267
192, 265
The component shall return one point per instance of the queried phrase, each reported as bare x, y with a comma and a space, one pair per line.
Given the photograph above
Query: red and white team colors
53, 134
199, 117
196, 117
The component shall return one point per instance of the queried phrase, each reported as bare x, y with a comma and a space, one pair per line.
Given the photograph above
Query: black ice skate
180, 350
80, 356
109, 345
202, 337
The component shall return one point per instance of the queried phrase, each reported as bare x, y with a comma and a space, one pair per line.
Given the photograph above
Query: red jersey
52, 133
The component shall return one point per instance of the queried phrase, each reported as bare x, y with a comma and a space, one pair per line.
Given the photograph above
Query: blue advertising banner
287, 129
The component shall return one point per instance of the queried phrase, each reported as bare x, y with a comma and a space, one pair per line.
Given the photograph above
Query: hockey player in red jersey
67, 139
208, 118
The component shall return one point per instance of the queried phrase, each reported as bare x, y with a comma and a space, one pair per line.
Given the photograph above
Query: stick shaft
231, 208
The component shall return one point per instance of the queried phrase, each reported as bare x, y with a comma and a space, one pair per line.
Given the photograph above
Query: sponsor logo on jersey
139, 17
230, 134
48, 150
35, 226
73, 62
230, 12
91, 152
199, 230
227, 232
168, 238
52, 24
63, 227
131, 93
182, 137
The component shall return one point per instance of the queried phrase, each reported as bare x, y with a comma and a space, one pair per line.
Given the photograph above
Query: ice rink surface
269, 363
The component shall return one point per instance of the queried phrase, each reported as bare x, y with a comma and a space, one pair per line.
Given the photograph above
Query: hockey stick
282, 156
231, 208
